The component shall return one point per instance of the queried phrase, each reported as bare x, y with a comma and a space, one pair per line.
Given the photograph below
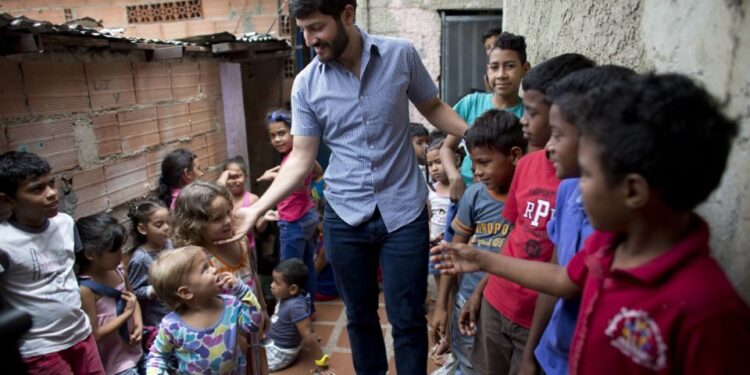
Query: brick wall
234, 16
106, 123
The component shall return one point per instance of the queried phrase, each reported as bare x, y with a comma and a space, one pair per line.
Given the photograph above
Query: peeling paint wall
417, 21
708, 40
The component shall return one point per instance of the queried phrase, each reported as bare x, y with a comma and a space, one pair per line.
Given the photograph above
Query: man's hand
457, 188
244, 221
467, 320
270, 174
455, 258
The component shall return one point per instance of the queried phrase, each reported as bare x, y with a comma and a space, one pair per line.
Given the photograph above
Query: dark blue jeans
297, 240
355, 253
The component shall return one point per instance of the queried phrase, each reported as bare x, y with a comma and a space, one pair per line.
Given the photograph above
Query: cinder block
56, 16
90, 191
200, 27
112, 16
174, 122
110, 84
54, 87
107, 132
9, 5
216, 148
138, 129
185, 79
200, 117
198, 146
216, 9
152, 83
52, 140
209, 78
174, 30
126, 180
261, 24
268, 6
12, 97
148, 31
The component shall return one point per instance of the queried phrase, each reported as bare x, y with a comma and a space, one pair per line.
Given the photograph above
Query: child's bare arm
88, 304
540, 276
137, 332
310, 339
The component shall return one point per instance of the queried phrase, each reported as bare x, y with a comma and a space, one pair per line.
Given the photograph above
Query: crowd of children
566, 238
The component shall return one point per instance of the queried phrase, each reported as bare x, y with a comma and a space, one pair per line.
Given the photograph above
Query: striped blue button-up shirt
365, 122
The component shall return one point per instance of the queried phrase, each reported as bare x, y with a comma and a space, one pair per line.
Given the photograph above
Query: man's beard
337, 45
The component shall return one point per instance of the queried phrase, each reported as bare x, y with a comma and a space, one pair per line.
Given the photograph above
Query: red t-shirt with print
676, 314
530, 205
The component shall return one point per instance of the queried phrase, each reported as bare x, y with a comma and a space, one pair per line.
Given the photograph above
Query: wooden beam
20, 43
228, 47
70, 40
166, 53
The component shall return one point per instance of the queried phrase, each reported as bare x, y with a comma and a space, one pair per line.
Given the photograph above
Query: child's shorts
81, 358
280, 358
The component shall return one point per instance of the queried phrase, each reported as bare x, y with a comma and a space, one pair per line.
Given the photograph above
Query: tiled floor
330, 325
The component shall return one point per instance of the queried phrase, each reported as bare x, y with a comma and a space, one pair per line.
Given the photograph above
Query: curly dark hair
294, 272
512, 42
654, 126
542, 76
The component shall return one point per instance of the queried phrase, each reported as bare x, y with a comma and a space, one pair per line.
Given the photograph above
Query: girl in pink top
297, 217
106, 295
179, 168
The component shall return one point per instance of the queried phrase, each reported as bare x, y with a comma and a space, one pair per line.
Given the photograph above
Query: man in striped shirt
354, 96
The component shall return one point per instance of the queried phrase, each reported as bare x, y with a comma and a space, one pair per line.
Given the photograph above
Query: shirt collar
694, 244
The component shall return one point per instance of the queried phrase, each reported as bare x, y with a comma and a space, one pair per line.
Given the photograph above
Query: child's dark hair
435, 144
568, 93
139, 213
492, 31
333, 8
279, 115
19, 166
239, 160
100, 233
418, 130
293, 271
497, 130
437, 133
512, 42
542, 76
653, 126
174, 164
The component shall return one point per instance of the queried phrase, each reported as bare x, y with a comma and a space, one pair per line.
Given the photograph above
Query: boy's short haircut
492, 31
418, 130
542, 76
664, 127
497, 130
333, 8
168, 273
294, 272
568, 92
19, 166
512, 42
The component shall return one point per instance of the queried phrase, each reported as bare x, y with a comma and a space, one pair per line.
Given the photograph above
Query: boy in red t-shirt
653, 300
506, 308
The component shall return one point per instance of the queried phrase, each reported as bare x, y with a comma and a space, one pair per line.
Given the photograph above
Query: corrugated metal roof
11, 26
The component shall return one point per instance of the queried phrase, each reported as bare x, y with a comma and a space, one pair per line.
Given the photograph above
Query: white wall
709, 40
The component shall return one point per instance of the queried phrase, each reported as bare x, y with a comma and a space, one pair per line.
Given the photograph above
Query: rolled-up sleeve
304, 121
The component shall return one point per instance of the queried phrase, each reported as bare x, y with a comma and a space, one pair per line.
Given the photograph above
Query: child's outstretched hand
226, 281
271, 215
270, 174
455, 258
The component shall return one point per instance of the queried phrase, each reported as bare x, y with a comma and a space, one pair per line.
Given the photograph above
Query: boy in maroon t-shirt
653, 301
505, 309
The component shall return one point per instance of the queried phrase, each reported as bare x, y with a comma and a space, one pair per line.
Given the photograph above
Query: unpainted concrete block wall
708, 40
105, 121
234, 16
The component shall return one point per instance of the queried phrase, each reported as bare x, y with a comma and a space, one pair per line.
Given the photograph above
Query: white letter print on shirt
542, 210
637, 336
